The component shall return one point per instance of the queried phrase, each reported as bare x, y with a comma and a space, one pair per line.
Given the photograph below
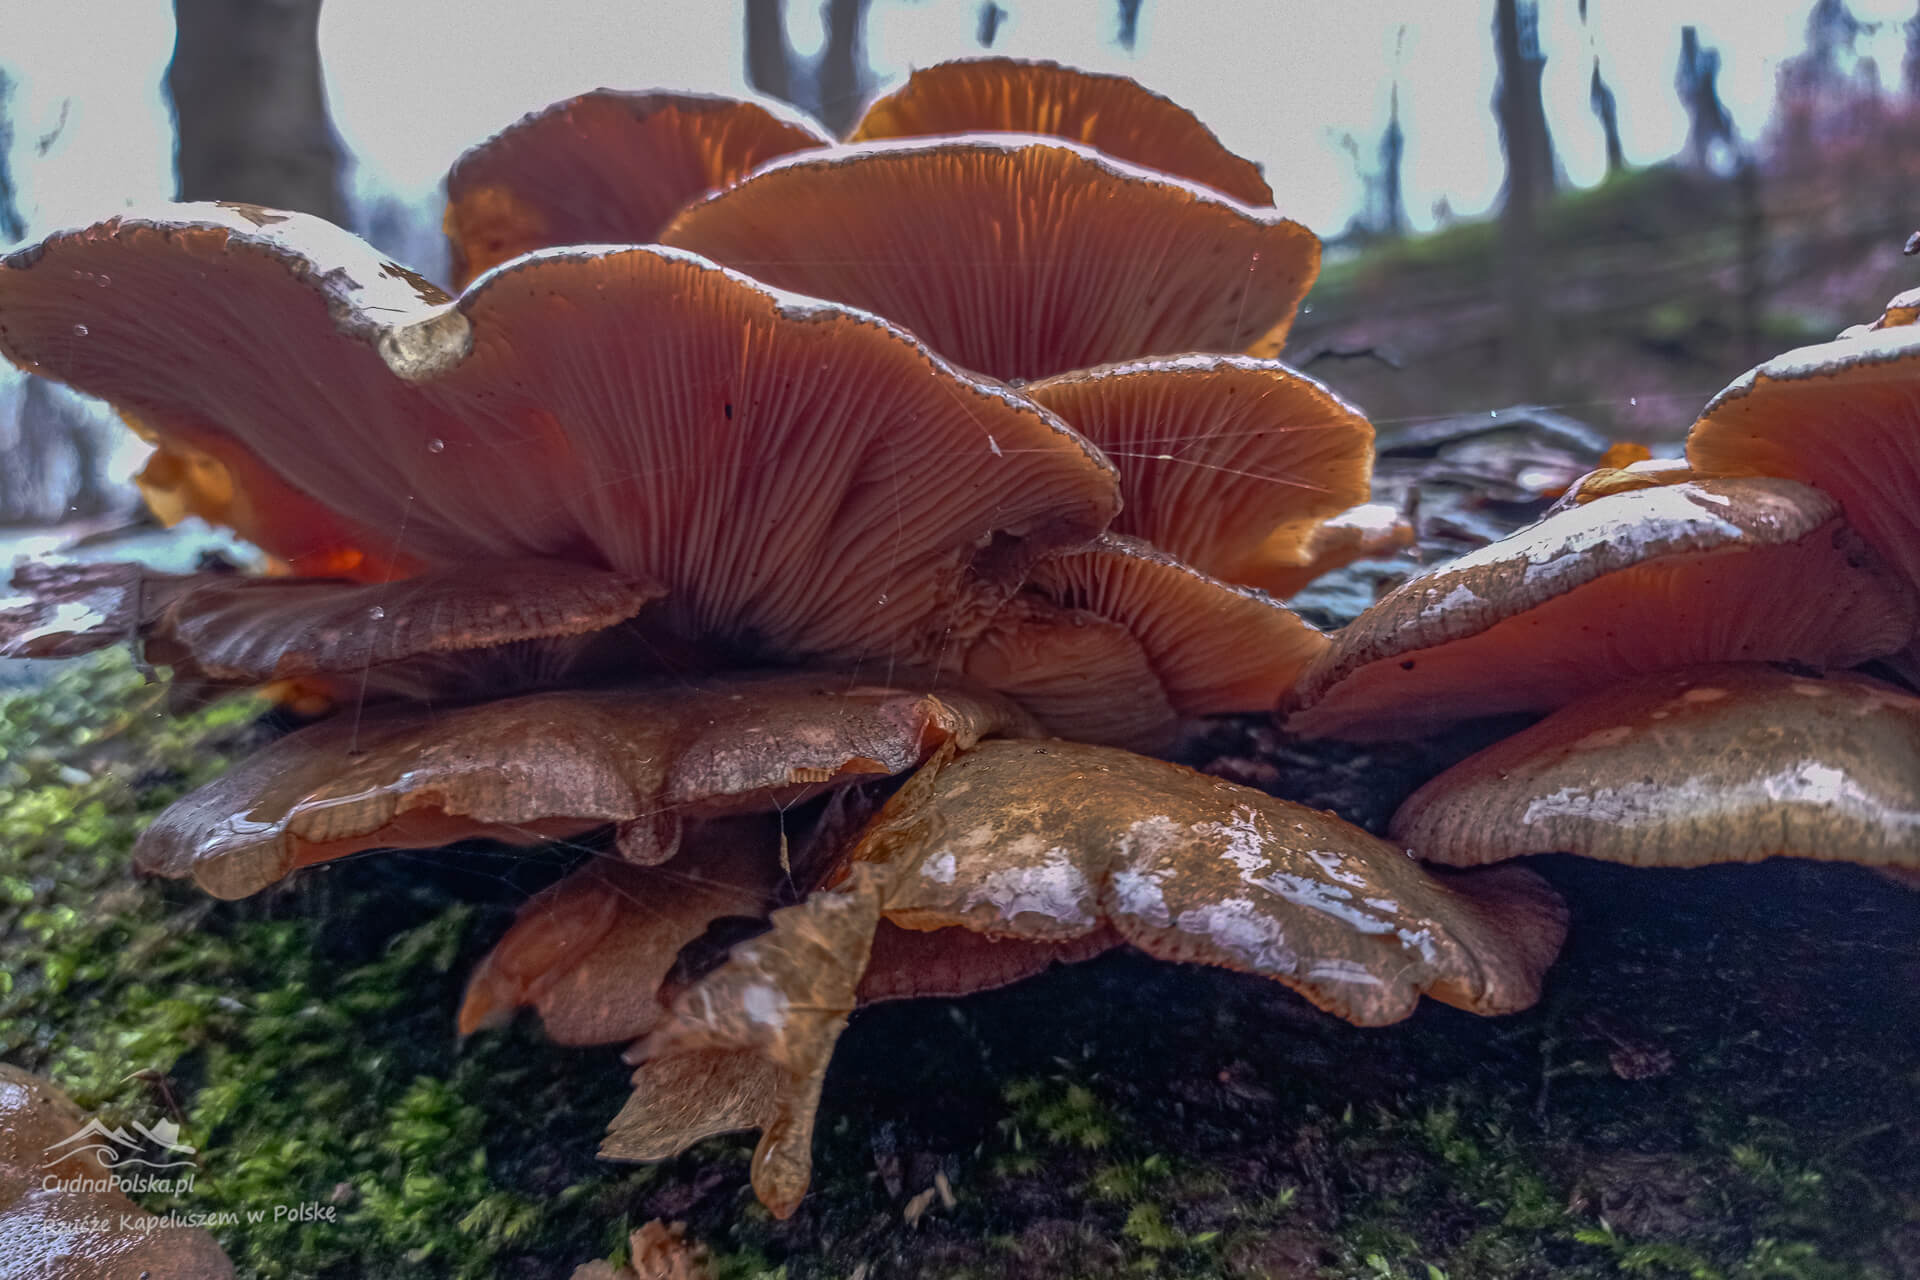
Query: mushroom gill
1016, 257
606, 167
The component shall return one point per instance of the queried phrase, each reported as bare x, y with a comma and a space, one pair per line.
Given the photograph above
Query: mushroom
1228, 463
1055, 842
1065, 646
1635, 582
607, 167
1114, 114
553, 766
422, 636
762, 458
1840, 416
1725, 763
1015, 257
62, 1217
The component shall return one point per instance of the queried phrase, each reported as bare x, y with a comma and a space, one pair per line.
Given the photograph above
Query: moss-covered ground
1723, 1081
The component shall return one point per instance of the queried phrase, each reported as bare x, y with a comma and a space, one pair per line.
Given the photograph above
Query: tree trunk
840, 77
250, 107
1600, 98
769, 56
1523, 133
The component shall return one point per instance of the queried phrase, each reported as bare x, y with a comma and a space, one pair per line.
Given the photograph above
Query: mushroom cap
1229, 463
56, 1233
591, 952
1208, 647
607, 167
1841, 416
1639, 581
1018, 257
1114, 114
805, 480
747, 1046
1052, 841
553, 765
232, 629
1726, 763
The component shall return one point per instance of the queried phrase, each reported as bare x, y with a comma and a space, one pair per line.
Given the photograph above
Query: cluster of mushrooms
835, 534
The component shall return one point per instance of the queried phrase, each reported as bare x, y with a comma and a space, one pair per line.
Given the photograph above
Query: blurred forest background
1624, 302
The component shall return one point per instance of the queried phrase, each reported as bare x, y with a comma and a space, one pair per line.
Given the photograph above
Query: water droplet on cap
79, 331
376, 613
436, 445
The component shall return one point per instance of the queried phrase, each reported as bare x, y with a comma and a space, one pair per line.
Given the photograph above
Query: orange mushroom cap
1843, 416
1227, 462
606, 167
1636, 582
1729, 763
804, 480
1114, 114
1065, 651
1013, 256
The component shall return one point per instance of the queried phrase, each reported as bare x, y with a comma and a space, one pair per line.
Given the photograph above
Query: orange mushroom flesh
1729, 763
1637, 582
60, 1219
1057, 842
805, 481
1018, 258
1841, 416
1229, 463
1114, 114
553, 766
1206, 647
607, 167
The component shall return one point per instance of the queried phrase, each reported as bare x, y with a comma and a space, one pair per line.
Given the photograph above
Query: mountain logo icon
157, 1147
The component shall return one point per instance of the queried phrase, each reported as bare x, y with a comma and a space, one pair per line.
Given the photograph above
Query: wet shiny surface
1711, 764
1047, 841
79, 1234
549, 765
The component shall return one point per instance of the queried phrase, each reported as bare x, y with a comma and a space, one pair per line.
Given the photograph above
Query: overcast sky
412, 82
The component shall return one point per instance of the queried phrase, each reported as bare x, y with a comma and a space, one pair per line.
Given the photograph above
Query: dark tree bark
1698, 83
841, 77
11, 225
1607, 112
1129, 24
769, 56
991, 16
1393, 147
250, 107
1529, 148
835, 86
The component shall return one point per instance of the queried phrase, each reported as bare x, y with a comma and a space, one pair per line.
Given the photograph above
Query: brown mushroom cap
1729, 763
554, 765
1016, 257
1640, 581
590, 952
1841, 416
1109, 113
1207, 647
747, 1046
1048, 841
1226, 462
607, 167
805, 480
72, 1233
1064, 844
232, 629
